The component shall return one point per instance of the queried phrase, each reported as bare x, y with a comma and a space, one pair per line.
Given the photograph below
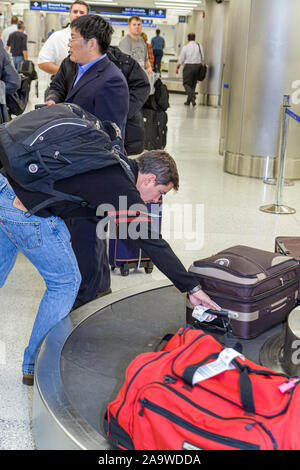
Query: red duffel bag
160, 407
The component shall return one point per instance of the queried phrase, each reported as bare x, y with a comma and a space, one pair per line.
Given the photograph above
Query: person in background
158, 45
55, 48
101, 89
17, 43
191, 56
149, 47
134, 45
10, 29
10, 81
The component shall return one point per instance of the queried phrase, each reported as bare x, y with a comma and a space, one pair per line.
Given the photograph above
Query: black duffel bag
17, 102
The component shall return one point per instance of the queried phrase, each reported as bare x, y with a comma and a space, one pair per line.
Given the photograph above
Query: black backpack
56, 142
27, 68
159, 100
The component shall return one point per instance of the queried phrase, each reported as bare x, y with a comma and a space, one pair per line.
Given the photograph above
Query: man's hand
200, 298
50, 102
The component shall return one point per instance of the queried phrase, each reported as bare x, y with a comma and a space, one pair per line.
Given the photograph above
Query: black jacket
102, 189
138, 85
8, 73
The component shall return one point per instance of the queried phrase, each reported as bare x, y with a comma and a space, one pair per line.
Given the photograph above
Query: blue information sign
101, 9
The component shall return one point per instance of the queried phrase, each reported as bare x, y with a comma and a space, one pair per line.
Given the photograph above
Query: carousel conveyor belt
82, 362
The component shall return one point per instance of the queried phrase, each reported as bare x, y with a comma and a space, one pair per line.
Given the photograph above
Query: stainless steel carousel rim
48, 386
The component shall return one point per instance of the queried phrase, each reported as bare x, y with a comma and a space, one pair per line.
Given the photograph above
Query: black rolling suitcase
258, 288
155, 129
155, 116
125, 254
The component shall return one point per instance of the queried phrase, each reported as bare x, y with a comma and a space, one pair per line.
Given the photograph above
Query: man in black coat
138, 85
10, 81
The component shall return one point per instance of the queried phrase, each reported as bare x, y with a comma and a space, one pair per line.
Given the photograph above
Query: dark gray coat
8, 74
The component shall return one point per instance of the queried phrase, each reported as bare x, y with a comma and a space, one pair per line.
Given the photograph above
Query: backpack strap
57, 197
189, 372
246, 389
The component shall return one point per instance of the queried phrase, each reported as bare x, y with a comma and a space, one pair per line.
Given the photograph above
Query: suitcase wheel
124, 271
149, 268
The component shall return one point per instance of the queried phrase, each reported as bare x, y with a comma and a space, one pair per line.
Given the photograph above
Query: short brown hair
80, 2
161, 164
136, 18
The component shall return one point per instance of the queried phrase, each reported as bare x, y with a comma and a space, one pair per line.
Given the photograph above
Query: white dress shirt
7, 31
190, 54
55, 49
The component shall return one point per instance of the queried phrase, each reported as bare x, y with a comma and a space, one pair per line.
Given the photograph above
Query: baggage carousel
82, 362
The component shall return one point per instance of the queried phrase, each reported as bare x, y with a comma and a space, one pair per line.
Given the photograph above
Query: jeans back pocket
26, 235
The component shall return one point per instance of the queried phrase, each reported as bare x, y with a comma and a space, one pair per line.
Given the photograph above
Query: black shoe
194, 103
187, 103
103, 293
28, 379
100, 294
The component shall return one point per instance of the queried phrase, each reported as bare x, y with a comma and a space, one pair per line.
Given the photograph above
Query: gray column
213, 50
262, 63
32, 23
52, 22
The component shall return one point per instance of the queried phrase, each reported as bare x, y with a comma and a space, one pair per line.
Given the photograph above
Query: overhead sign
123, 22
101, 9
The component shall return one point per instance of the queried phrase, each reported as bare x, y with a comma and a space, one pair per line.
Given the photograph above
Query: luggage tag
200, 314
288, 385
220, 365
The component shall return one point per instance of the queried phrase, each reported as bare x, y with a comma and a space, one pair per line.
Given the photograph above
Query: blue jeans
158, 54
17, 59
46, 243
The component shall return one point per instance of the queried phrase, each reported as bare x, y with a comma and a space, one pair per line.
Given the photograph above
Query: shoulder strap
201, 56
246, 389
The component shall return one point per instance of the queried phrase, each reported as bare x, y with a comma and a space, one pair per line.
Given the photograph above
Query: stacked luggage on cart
124, 253
154, 114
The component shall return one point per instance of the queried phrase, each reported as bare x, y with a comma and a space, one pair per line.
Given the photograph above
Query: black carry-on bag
155, 116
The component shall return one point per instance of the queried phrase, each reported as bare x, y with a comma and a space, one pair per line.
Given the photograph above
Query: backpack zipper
133, 378
211, 413
184, 331
56, 125
227, 441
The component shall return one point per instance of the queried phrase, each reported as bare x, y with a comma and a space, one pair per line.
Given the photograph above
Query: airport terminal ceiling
179, 7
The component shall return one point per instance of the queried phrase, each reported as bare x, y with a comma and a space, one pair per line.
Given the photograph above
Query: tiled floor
212, 210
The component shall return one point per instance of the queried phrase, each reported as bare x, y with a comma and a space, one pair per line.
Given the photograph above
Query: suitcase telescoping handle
218, 313
223, 314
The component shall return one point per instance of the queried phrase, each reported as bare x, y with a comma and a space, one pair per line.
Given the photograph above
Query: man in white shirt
191, 57
10, 29
55, 48
134, 45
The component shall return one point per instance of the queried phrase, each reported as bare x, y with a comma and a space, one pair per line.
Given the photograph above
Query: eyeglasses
74, 39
